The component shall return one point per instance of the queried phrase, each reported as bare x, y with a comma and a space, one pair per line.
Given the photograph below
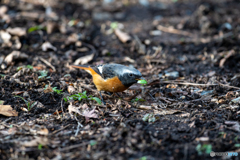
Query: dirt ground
188, 51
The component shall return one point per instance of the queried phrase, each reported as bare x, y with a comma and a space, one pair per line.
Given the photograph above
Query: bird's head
129, 76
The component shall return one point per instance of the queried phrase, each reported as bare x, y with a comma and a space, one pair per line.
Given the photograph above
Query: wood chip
123, 37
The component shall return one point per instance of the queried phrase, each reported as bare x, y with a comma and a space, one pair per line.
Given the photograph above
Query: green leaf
114, 25
143, 158
36, 28
142, 81
145, 117
93, 142
29, 66
19, 68
97, 100
1, 102
40, 147
237, 145
21, 98
66, 99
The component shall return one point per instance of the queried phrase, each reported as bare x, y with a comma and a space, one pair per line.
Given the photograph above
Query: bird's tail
85, 67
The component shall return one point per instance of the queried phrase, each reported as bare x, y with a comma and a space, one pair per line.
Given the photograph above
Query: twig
78, 128
191, 84
47, 63
224, 85
74, 146
123, 37
60, 129
172, 30
204, 85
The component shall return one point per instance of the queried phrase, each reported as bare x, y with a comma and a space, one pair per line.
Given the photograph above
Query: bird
112, 77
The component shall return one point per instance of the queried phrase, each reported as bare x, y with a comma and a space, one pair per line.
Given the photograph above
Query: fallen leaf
3, 10
7, 110
84, 59
15, 55
48, 89
10, 131
35, 142
4, 37
89, 114
73, 108
48, 46
43, 131
17, 31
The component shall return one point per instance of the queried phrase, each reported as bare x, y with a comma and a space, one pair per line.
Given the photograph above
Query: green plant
222, 134
93, 142
237, 145
36, 28
40, 146
1, 102
81, 96
114, 25
149, 117
58, 91
28, 103
205, 148
27, 66
137, 100
143, 158
43, 75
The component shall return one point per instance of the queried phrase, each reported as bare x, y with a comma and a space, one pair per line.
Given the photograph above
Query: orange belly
109, 85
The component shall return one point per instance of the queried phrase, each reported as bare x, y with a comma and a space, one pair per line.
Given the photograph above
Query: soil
187, 51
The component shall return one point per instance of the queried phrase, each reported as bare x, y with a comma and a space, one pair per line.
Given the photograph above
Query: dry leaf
89, 114
48, 89
35, 142
4, 37
84, 59
71, 89
43, 131
72, 108
48, 46
17, 31
15, 55
7, 110
10, 131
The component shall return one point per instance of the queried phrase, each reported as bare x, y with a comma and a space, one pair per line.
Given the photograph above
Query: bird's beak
140, 79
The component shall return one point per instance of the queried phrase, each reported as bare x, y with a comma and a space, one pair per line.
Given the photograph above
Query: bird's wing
108, 71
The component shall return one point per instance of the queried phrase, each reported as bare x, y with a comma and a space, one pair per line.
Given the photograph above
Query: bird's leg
102, 98
118, 95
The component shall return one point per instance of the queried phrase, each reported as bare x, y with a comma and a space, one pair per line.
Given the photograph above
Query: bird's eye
130, 74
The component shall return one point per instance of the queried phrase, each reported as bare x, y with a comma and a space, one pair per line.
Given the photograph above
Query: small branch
47, 63
191, 84
60, 129
174, 31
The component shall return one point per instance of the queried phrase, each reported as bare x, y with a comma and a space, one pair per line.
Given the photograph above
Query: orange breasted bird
112, 77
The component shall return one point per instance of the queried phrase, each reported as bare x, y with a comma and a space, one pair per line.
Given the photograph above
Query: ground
187, 51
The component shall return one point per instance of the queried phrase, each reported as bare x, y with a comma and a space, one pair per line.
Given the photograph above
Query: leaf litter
187, 107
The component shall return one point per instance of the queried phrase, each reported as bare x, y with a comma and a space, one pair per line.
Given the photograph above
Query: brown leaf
17, 31
48, 89
7, 110
84, 59
35, 142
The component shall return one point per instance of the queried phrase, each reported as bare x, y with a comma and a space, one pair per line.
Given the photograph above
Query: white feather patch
100, 69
